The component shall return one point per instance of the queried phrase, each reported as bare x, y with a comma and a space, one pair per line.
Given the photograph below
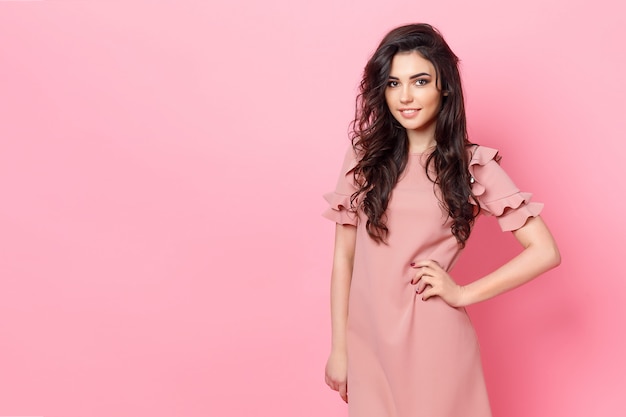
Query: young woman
409, 190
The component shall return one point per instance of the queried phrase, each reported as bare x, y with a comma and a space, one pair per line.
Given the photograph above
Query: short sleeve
340, 210
496, 193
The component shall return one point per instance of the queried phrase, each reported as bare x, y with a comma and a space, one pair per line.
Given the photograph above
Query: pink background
162, 163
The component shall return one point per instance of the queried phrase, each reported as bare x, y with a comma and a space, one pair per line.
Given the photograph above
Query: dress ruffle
513, 219
339, 209
481, 156
496, 193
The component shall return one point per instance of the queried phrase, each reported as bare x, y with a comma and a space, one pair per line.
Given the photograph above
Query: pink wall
161, 171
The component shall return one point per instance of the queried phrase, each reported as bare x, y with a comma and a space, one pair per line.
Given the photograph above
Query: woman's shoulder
352, 157
481, 155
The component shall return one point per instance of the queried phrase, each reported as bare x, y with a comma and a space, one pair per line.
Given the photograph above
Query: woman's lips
409, 113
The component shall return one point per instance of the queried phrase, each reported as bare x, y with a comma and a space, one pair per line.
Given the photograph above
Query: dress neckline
428, 152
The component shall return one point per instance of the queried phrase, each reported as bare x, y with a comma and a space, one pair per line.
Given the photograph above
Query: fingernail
412, 263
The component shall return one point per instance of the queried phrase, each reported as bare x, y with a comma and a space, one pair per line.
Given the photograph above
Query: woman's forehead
410, 63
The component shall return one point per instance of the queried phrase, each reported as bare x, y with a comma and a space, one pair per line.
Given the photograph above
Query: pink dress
408, 357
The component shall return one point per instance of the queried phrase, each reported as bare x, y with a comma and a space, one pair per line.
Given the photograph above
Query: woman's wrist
338, 347
469, 294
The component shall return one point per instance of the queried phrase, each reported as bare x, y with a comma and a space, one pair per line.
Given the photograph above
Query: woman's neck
421, 141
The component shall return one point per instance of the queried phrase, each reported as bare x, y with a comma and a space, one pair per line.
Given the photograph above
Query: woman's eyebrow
421, 74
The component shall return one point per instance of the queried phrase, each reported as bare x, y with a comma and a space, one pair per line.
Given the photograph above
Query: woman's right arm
343, 261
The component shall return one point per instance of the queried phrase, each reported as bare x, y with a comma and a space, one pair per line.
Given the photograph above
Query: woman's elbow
552, 256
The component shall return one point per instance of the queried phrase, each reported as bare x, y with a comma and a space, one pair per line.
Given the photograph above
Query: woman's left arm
539, 255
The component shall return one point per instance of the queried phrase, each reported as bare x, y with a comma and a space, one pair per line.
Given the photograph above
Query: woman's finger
423, 271
429, 263
343, 392
422, 288
424, 282
416, 278
429, 292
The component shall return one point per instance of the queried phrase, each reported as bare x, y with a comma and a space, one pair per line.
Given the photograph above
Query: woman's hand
337, 373
432, 280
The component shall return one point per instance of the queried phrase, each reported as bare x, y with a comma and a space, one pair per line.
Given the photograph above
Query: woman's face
412, 94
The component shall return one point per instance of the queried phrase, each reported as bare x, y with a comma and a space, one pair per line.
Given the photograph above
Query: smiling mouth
409, 111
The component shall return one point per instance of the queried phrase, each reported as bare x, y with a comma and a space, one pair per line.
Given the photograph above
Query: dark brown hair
382, 143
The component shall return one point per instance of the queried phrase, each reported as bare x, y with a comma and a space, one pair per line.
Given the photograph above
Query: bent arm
539, 255
343, 261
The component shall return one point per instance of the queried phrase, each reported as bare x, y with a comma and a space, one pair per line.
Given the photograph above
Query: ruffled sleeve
496, 193
340, 210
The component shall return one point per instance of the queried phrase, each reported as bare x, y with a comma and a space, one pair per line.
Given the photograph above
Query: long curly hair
382, 143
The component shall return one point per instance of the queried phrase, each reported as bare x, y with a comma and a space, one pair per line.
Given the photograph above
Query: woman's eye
392, 84
421, 81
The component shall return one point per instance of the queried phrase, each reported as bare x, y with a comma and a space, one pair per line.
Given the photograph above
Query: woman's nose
405, 96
